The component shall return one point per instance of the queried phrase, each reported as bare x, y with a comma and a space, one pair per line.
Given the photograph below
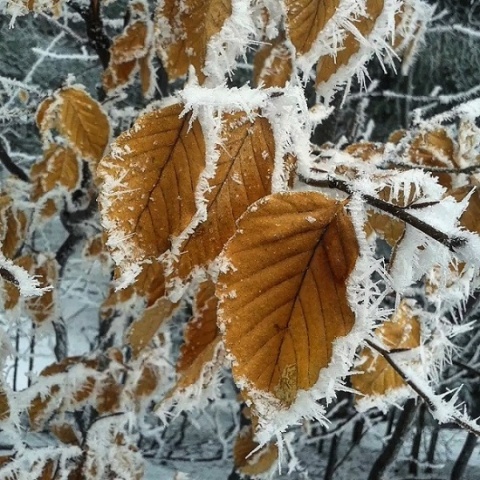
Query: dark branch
10, 165
7, 275
452, 243
417, 389
97, 38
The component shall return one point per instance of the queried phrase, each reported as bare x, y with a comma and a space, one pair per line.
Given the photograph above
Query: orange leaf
184, 29
202, 329
243, 175
272, 65
402, 331
13, 227
149, 182
284, 302
79, 119
260, 462
329, 65
306, 19
144, 329
59, 168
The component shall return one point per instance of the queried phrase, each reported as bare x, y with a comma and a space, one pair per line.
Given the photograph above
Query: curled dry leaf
261, 462
329, 65
243, 175
470, 218
283, 302
149, 182
378, 378
306, 19
272, 66
184, 30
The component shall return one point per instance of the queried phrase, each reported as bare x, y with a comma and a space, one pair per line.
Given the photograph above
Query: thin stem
462, 460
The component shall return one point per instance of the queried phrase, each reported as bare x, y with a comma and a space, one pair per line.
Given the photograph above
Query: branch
452, 243
455, 417
10, 165
97, 38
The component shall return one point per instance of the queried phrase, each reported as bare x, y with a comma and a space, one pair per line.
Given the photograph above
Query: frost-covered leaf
13, 226
131, 52
184, 30
283, 302
258, 463
148, 183
377, 377
201, 329
273, 65
79, 119
59, 168
243, 175
306, 19
329, 65
144, 328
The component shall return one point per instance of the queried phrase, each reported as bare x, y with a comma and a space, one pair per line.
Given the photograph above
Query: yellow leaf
272, 66
243, 175
329, 65
402, 331
202, 329
82, 122
184, 29
149, 181
284, 302
306, 19
260, 462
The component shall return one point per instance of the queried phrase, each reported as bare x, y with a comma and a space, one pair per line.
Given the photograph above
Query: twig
11, 166
391, 450
452, 243
455, 418
465, 454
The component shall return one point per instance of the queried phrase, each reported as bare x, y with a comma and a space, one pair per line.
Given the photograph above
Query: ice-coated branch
433, 404
452, 243
11, 166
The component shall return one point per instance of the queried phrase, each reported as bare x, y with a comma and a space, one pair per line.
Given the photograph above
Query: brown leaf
306, 19
402, 331
147, 382
59, 168
118, 75
82, 122
12, 293
44, 116
243, 175
260, 462
13, 227
184, 29
329, 65
108, 398
272, 66
131, 44
65, 433
4, 405
149, 181
144, 329
42, 308
470, 218
202, 329
284, 302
